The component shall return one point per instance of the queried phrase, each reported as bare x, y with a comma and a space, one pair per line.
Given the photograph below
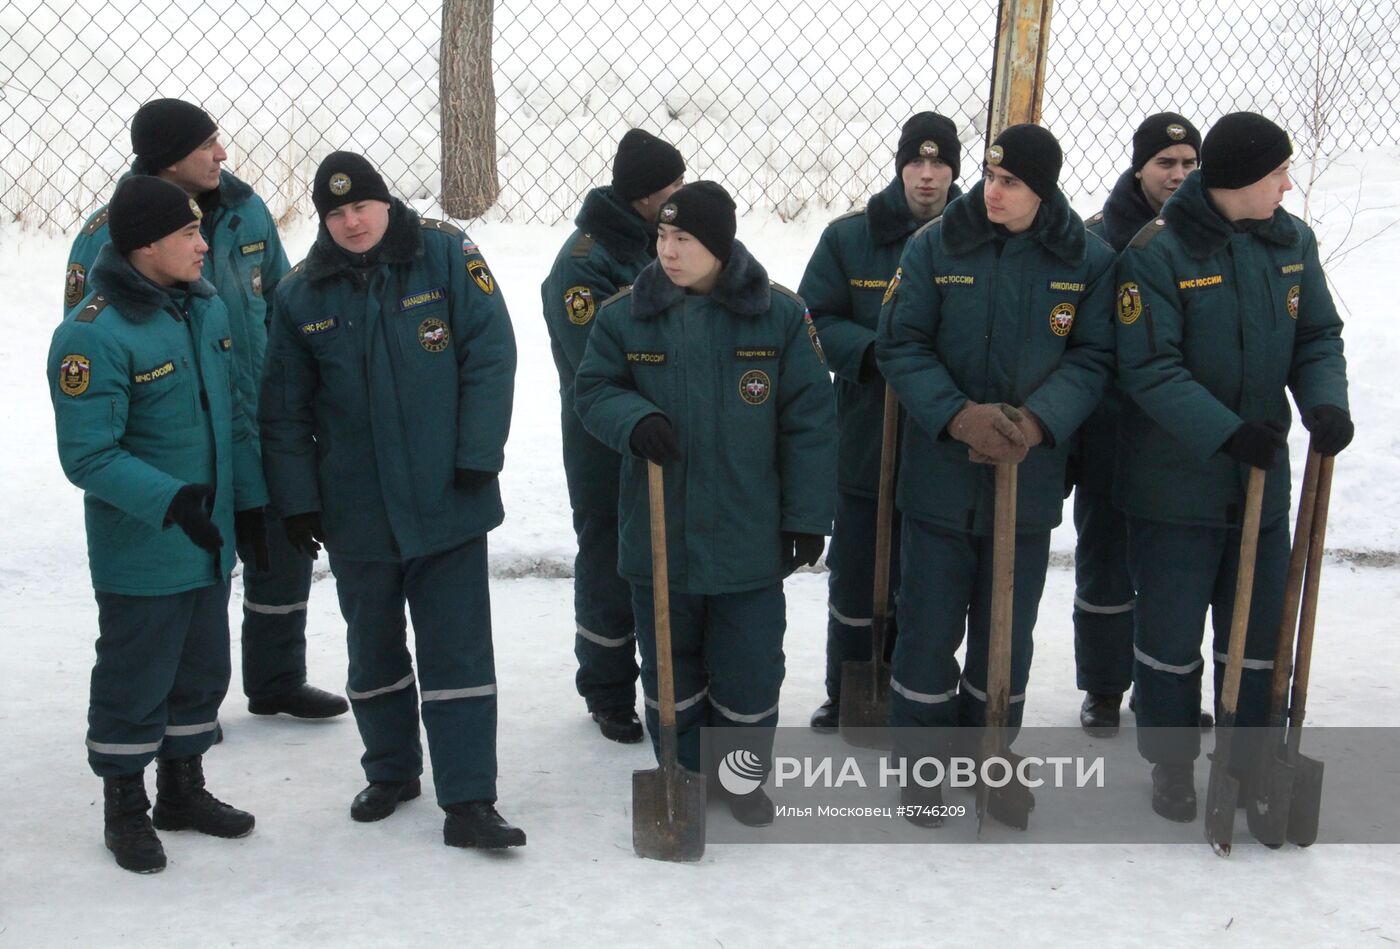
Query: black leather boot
476, 824
127, 829
182, 803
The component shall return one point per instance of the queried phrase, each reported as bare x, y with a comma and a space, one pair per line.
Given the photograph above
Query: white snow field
309, 876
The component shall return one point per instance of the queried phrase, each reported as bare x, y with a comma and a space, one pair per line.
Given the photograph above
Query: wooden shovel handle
1292, 590
1003, 588
1298, 701
661, 597
1244, 592
884, 520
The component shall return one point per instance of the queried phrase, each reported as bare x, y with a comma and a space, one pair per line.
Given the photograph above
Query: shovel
1267, 809
1011, 804
865, 686
1223, 792
1306, 805
668, 802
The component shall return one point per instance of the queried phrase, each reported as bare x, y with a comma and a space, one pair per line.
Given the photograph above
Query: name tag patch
861, 284
151, 375
646, 359
1065, 286
757, 352
422, 299
312, 327
256, 247
1287, 270
955, 279
1196, 283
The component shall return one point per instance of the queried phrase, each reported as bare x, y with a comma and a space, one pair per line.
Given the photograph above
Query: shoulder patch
1149, 230
96, 223
779, 288
849, 214
433, 224
583, 246
89, 313
1093, 219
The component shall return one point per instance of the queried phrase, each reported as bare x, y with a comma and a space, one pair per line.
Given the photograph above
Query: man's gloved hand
303, 530
189, 510
799, 549
1331, 429
655, 440
469, 478
990, 434
1257, 444
250, 530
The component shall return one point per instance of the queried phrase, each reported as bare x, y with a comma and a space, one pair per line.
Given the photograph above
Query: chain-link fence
793, 104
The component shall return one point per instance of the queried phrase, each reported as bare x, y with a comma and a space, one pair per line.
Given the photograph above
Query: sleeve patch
580, 305
481, 276
74, 374
1129, 303
73, 285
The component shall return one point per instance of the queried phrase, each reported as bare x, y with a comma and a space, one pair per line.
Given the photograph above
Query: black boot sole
454, 838
268, 707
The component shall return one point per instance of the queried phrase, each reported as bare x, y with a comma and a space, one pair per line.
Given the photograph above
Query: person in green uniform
179, 142
1222, 306
844, 284
144, 383
614, 238
1003, 301
386, 402
710, 370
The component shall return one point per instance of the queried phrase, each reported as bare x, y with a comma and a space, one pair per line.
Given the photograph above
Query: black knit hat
1161, 131
1030, 153
166, 130
704, 210
928, 135
145, 209
343, 178
1242, 148
644, 165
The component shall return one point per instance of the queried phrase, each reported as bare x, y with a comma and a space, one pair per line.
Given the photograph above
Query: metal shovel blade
1222, 797
668, 814
1011, 805
1268, 808
865, 704
1307, 802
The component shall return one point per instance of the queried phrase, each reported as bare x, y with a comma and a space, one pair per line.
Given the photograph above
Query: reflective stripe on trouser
1103, 597
605, 636
727, 660
1179, 572
850, 562
449, 600
162, 670
274, 615
947, 594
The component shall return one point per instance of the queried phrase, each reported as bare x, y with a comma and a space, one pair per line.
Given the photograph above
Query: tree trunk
468, 104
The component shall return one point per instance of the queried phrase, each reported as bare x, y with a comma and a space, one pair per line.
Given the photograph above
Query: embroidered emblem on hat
256, 279
1176, 132
928, 150
481, 276
754, 387
1062, 319
1129, 303
74, 373
812, 335
73, 285
339, 183
194, 209
1295, 294
894, 285
578, 301
433, 335
995, 155
668, 213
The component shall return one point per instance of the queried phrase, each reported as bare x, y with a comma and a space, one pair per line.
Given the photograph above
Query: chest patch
256, 247
756, 352
1295, 294
73, 285
74, 374
1129, 303
1287, 270
646, 359
1198, 283
433, 335
312, 327
754, 387
868, 284
955, 280
435, 295
580, 305
151, 375
1066, 286
1062, 319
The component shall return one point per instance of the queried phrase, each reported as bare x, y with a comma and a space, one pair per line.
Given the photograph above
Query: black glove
1257, 444
465, 479
799, 549
655, 440
303, 530
869, 368
1331, 428
190, 510
250, 530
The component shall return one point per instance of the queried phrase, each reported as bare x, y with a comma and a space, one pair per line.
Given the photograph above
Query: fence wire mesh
793, 104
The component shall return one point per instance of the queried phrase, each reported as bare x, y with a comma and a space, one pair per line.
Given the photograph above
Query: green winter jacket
1213, 323
244, 263
979, 315
739, 375
844, 284
384, 375
145, 402
604, 255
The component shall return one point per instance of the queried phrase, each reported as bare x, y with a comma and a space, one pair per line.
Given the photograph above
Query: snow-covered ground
309, 876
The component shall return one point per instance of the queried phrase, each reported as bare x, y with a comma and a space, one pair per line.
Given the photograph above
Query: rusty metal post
1018, 72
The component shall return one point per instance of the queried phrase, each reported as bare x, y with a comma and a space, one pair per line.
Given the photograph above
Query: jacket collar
1203, 231
402, 242
136, 298
888, 217
743, 287
231, 192
1056, 227
614, 224
1126, 211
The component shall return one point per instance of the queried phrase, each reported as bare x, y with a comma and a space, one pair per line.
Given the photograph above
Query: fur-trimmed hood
1056, 227
888, 217
402, 242
135, 297
1203, 231
614, 224
743, 287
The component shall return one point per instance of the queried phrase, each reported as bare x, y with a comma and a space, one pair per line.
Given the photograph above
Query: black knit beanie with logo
343, 178
1242, 148
166, 130
928, 135
644, 164
704, 210
144, 209
1030, 153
